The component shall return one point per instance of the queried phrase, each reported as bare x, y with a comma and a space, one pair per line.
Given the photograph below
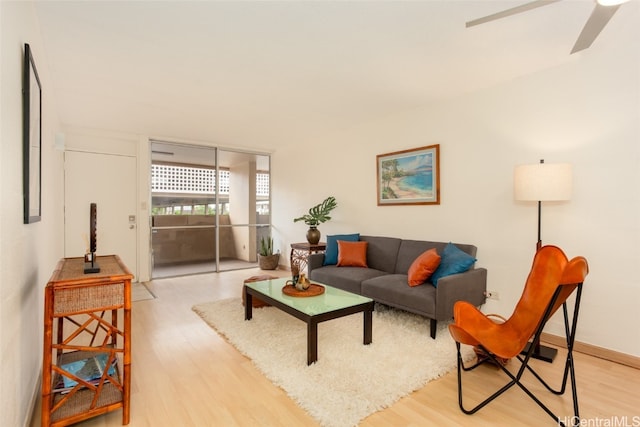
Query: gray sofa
385, 278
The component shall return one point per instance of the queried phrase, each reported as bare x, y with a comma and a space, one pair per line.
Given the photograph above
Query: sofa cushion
382, 252
410, 250
453, 261
423, 267
346, 278
331, 251
392, 290
352, 254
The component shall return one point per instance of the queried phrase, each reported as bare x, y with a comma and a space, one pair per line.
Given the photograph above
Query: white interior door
110, 182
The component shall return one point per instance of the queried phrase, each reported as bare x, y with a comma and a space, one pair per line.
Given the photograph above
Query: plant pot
313, 235
268, 262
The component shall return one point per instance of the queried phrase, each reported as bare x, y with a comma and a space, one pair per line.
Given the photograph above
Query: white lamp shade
543, 182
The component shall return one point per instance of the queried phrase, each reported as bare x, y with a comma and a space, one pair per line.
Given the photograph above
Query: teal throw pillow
331, 252
453, 261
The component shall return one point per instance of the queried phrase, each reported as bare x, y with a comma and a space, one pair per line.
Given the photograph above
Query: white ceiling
266, 73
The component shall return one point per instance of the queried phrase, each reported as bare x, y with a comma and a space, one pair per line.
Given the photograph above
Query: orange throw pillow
352, 254
423, 267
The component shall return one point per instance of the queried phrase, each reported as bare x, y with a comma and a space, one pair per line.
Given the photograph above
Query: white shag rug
350, 380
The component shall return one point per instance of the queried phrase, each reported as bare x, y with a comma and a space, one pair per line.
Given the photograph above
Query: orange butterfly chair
552, 279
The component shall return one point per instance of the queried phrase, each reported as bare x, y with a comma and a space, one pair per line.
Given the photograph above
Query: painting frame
409, 177
32, 139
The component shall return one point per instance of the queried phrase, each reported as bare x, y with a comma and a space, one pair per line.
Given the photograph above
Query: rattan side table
81, 313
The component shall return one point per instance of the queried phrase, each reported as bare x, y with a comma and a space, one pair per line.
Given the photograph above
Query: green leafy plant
266, 246
319, 213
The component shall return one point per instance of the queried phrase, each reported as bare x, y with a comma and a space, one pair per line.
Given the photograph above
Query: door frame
216, 165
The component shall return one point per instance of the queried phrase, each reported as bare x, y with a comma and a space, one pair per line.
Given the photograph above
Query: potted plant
317, 215
267, 260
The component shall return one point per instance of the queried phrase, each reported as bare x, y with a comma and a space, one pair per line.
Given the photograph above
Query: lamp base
541, 352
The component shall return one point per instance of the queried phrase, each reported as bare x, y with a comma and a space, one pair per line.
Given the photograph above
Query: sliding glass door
209, 208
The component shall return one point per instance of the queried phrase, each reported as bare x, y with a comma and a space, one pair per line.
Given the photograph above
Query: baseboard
593, 350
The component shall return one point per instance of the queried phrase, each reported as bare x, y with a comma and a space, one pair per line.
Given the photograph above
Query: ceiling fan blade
597, 21
508, 12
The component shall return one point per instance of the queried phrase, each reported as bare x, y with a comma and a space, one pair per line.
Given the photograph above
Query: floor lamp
543, 182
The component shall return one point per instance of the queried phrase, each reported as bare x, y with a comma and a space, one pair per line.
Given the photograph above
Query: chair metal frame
569, 369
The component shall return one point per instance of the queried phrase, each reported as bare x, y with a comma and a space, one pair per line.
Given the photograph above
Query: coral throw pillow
331, 252
352, 254
423, 267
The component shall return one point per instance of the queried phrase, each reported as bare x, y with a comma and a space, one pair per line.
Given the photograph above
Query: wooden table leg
312, 342
248, 304
47, 358
291, 258
368, 320
126, 403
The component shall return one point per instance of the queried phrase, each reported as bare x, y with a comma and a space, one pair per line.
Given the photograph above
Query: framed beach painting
409, 177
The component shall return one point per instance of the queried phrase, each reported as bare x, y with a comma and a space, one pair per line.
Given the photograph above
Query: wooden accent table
300, 253
81, 322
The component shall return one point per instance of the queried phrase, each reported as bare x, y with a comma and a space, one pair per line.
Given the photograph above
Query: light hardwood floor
185, 374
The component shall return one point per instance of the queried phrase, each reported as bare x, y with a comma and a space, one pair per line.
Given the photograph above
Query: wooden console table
81, 322
300, 253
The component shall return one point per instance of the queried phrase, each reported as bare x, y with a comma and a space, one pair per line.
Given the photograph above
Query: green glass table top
332, 298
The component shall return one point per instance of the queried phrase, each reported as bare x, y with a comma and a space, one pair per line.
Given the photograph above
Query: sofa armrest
469, 286
314, 261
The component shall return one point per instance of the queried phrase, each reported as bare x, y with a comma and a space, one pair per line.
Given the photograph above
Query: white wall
585, 112
28, 253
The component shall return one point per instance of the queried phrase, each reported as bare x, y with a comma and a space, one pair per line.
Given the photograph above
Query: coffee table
332, 304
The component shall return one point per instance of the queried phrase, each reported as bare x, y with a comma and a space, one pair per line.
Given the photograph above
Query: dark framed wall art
409, 177
32, 139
